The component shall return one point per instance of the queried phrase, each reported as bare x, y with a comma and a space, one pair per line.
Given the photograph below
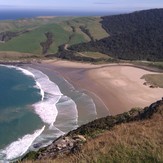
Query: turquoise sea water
36, 109
17, 93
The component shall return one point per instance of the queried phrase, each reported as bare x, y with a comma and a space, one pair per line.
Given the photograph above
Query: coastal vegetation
155, 80
135, 36
132, 136
158, 64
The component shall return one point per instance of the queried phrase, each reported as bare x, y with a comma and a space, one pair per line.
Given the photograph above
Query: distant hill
44, 35
135, 36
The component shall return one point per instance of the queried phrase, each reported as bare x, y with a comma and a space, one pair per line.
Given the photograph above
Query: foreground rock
63, 145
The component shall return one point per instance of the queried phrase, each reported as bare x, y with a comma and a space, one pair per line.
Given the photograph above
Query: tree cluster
135, 36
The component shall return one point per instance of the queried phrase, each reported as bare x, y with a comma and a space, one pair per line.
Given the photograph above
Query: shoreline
98, 81
114, 88
51, 72
108, 84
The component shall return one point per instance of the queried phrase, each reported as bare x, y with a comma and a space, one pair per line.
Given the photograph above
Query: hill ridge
134, 36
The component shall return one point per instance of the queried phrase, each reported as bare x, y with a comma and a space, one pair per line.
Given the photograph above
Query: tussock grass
136, 141
133, 142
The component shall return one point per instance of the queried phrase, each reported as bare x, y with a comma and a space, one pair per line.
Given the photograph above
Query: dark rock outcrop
63, 145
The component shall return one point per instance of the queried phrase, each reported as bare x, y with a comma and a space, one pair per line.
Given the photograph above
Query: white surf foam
46, 109
41, 90
28, 73
19, 147
88, 101
46, 84
50, 94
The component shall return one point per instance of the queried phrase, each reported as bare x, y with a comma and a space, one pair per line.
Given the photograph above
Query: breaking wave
19, 147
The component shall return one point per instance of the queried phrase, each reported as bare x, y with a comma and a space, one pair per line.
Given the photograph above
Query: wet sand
117, 88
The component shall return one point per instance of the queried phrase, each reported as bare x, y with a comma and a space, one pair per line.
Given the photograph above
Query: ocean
11, 14
34, 110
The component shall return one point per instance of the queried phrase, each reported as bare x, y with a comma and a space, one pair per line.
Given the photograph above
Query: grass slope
30, 42
65, 30
134, 142
134, 136
91, 23
30, 23
139, 141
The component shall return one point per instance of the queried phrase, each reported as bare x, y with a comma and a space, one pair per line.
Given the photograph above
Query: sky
82, 5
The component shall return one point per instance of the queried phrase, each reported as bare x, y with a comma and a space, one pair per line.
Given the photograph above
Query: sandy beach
118, 87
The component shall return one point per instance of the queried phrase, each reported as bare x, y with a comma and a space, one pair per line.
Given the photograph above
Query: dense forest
135, 36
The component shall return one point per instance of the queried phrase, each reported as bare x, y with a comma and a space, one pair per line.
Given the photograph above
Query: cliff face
75, 141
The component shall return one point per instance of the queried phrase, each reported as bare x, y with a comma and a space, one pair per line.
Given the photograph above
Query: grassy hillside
135, 142
65, 30
134, 136
30, 23
92, 24
30, 42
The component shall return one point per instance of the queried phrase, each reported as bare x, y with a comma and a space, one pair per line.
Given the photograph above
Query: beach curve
119, 86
